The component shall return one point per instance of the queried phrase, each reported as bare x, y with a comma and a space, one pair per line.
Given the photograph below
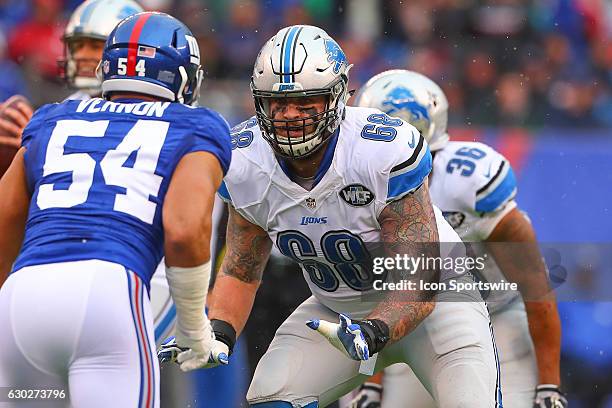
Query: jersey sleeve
410, 165
497, 186
241, 137
483, 226
213, 135
34, 125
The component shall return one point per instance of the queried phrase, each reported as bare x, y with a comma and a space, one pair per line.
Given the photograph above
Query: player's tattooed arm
247, 251
408, 227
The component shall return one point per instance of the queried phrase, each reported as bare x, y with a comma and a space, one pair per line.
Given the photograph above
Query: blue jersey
99, 171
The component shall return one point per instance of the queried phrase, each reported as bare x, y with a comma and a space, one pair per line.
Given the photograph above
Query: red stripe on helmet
133, 44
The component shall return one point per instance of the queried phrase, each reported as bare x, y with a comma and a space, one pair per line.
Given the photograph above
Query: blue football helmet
154, 54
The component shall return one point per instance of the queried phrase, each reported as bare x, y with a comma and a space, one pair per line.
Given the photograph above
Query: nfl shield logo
106, 66
310, 202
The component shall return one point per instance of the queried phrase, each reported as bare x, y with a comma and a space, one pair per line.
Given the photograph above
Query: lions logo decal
401, 102
335, 54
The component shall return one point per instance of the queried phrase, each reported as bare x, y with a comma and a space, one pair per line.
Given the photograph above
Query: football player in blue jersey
98, 192
320, 180
475, 188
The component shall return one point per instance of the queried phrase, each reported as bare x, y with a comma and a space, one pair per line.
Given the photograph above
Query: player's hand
170, 351
346, 336
15, 113
369, 396
549, 396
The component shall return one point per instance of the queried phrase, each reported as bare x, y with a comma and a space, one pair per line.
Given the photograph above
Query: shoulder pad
471, 176
252, 164
390, 147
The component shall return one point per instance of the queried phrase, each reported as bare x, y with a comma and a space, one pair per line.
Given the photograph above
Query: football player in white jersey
319, 180
84, 38
474, 186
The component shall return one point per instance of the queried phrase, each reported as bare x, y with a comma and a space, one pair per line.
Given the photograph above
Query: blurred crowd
501, 62
517, 63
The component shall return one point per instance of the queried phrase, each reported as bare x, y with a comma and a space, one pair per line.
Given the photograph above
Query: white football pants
519, 374
84, 327
451, 351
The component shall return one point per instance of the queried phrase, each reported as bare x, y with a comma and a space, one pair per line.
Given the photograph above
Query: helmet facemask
301, 137
77, 71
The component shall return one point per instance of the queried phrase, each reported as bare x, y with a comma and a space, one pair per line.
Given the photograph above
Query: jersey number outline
466, 166
241, 140
381, 127
345, 253
240, 137
146, 138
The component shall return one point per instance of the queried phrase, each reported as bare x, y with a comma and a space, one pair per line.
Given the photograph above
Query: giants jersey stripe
223, 193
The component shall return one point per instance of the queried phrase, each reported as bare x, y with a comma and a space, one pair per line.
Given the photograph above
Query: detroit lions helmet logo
402, 103
127, 11
335, 54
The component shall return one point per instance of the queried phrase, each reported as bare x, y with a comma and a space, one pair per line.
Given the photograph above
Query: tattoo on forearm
247, 252
408, 226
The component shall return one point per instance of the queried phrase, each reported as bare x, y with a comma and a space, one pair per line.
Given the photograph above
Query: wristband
376, 334
225, 333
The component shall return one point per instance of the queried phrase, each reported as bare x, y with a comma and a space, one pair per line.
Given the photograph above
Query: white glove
188, 359
346, 336
549, 396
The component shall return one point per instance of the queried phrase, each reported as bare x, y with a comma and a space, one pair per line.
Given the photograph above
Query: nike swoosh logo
488, 172
412, 143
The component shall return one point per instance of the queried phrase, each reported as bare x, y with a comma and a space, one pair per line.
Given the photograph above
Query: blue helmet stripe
88, 11
287, 53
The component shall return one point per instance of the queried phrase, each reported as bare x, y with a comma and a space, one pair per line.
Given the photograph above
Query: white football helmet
94, 19
412, 97
300, 61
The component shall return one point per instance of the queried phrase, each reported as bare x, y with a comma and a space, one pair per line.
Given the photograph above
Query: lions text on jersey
99, 171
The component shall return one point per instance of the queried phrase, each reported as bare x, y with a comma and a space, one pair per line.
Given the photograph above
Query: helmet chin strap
179, 96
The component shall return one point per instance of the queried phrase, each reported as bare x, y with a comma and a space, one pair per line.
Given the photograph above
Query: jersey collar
326, 162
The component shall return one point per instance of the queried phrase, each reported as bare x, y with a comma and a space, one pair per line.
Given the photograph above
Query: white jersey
373, 160
474, 186
81, 96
